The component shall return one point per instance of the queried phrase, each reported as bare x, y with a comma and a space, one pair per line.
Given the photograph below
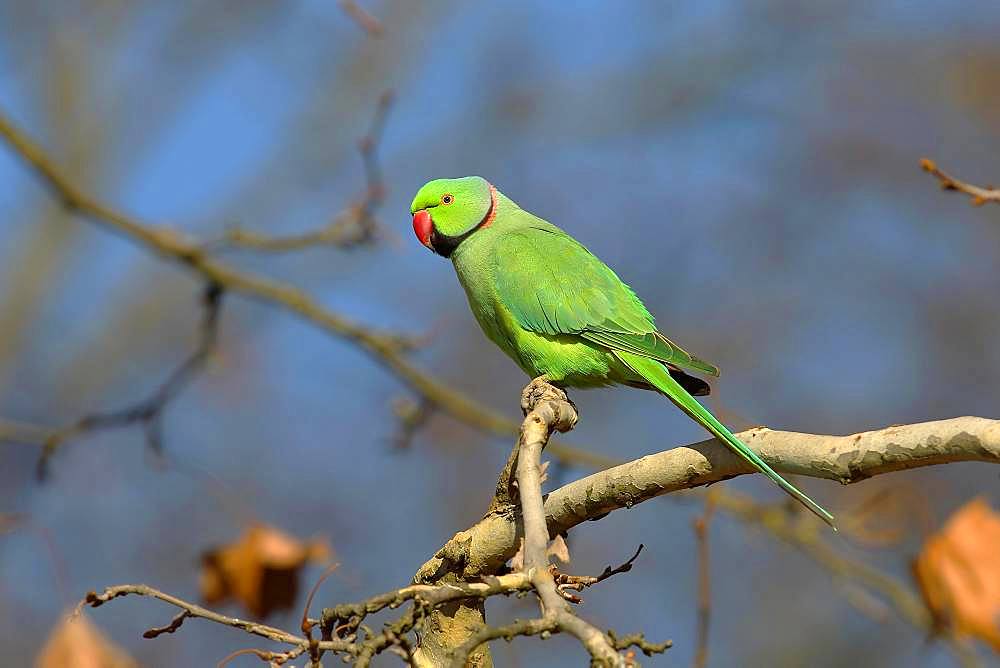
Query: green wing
553, 285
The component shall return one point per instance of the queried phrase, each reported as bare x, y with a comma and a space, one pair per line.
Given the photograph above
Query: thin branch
803, 535
700, 525
387, 350
346, 618
193, 610
95, 600
565, 583
339, 232
519, 627
979, 195
337, 637
13, 431
174, 624
365, 20
354, 226
639, 640
147, 412
307, 624
273, 658
412, 417
375, 194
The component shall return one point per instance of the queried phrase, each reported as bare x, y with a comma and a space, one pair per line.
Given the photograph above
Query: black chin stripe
444, 245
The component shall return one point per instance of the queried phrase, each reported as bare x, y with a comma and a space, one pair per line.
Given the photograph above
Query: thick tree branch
846, 459
489, 544
547, 409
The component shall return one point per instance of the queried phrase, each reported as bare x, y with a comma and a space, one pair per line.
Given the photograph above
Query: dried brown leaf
958, 571
77, 643
558, 549
260, 570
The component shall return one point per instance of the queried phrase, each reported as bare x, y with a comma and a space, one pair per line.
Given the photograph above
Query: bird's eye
447, 199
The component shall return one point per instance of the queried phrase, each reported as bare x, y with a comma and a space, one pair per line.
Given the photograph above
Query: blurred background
751, 169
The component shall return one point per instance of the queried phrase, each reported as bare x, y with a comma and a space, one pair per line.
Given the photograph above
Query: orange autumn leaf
260, 570
77, 643
958, 571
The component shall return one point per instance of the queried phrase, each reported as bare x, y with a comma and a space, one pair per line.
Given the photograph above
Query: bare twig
272, 658
149, 411
13, 431
343, 620
801, 532
375, 194
174, 624
307, 624
193, 610
565, 583
978, 194
354, 226
365, 20
700, 525
340, 624
94, 600
639, 640
412, 417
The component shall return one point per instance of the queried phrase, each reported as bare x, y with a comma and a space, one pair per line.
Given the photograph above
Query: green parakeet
557, 310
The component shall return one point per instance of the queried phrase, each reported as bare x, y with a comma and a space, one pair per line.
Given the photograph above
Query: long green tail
657, 375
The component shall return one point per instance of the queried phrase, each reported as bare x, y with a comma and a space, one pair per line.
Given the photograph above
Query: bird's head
447, 211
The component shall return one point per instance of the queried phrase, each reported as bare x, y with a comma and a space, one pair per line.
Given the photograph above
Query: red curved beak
423, 226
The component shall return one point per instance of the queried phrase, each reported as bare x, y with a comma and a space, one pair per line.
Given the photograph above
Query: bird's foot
541, 389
